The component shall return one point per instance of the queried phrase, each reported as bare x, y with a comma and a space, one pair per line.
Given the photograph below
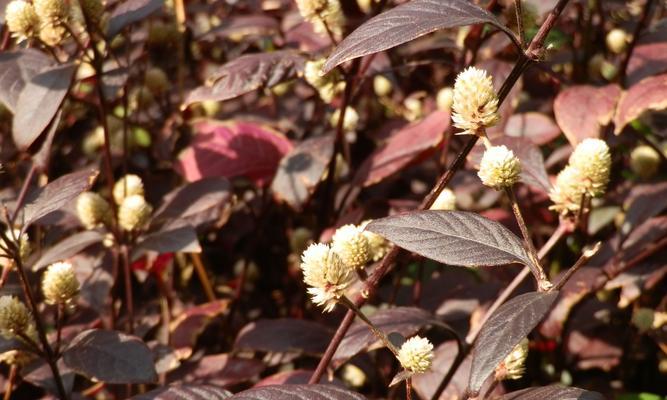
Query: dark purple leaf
407, 22
554, 392
129, 12
218, 370
291, 392
512, 322
284, 335
111, 356
67, 248
177, 240
403, 320
186, 391
648, 56
38, 103
648, 94
57, 194
453, 237
645, 201
247, 73
39, 374
300, 171
43, 155
298, 376
444, 355
185, 329
17, 68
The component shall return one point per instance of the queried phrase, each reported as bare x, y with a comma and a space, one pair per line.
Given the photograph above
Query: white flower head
568, 191
378, 245
475, 102
499, 167
350, 243
416, 355
446, 201
593, 159
127, 186
59, 283
326, 274
514, 365
21, 19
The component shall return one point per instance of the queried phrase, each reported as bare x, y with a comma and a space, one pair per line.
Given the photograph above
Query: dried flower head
514, 365
593, 159
475, 102
326, 85
325, 15
416, 355
350, 121
127, 186
446, 201
51, 11
326, 274
378, 245
59, 284
617, 40
134, 212
644, 161
445, 98
15, 319
499, 167
92, 210
21, 19
350, 243
156, 81
568, 191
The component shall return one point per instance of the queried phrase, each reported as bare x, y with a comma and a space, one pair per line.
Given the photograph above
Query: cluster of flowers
326, 16
133, 209
47, 20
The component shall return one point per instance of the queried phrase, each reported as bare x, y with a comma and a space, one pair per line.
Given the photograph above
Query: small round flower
15, 319
514, 365
350, 121
416, 355
617, 40
414, 108
21, 19
350, 243
51, 11
326, 85
644, 161
567, 191
445, 201
127, 186
156, 80
326, 274
475, 102
382, 86
593, 159
325, 15
499, 167
92, 210
444, 99
59, 283
378, 245
24, 245
134, 212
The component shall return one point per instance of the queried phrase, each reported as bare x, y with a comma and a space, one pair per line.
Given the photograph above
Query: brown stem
127, 275
203, 276
408, 389
333, 346
519, 22
643, 21
9, 386
374, 329
580, 262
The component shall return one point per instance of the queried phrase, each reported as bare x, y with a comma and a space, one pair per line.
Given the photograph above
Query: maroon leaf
453, 237
403, 320
300, 171
185, 329
645, 201
554, 392
17, 68
193, 204
181, 239
57, 194
39, 101
648, 94
407, 22
130, 11
648, 56
298, 376
582, 111
402, 148
219, 370
111, 357
512, 322
291, 392
67, 248
284, 335
43, 155
185, 391
534, 126
247, 73
231, 149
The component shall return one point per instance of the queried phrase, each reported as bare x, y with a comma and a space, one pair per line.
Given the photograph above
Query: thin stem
408, 389
643, 21
127, 275
519, 22
374, 329
542, 280
333, 346
203, 276
60, 312
9, 386
580, 262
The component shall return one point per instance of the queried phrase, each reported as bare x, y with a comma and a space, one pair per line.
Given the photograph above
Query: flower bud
593, 159
444, 99
127, 186
617, 40
15, 319
513, 367
352, 246
350, 121
644, 161
59, 284
378, 245
51, 11
134, 212
475, 102
416, 355
92, 210
353, 375
326, 274
156, 81
325, 15
414, 108
382, 86
499, 167
21, 19
568, 191
446, 201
